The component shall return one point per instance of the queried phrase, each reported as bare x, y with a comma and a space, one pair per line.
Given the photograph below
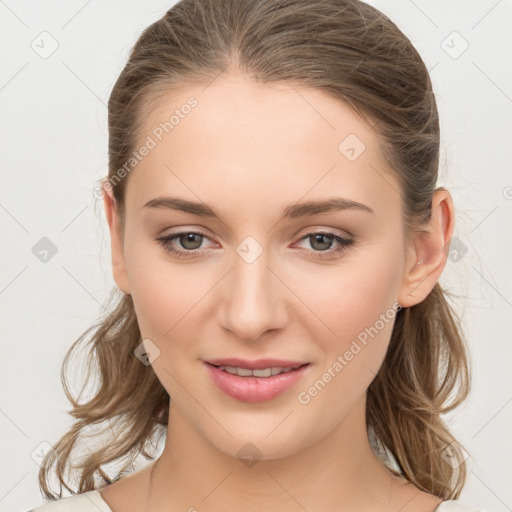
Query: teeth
246, 372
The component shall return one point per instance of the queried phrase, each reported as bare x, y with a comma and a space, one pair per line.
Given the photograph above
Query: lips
252, 388
256, 365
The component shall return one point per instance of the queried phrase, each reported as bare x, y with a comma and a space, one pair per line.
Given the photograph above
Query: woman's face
254, 283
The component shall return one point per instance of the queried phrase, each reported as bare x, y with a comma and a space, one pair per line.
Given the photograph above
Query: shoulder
90, 501
455, 506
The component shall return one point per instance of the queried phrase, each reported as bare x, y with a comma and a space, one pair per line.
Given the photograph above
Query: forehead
260, 141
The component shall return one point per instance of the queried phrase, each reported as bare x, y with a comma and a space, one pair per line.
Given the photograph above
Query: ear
116, 236
428, 251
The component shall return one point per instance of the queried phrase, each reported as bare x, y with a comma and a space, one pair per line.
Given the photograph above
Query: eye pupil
318, 237
193, 238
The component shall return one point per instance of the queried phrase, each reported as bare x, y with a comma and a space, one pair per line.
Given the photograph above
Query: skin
250, 150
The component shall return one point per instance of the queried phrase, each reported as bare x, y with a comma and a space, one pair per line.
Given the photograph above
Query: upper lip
256, 365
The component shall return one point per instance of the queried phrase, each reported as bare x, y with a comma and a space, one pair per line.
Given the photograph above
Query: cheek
166, 294
351, 296
354, 306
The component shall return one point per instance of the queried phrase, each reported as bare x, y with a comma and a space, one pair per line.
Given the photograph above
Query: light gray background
54, 148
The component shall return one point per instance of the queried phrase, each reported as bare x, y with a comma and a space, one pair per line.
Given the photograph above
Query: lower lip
255, 389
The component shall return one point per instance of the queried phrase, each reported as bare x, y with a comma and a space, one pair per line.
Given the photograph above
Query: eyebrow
293, 211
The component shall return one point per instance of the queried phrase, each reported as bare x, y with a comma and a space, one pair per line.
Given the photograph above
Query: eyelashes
167, 242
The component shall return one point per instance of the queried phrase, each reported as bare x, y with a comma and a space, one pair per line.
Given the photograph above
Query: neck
339, 472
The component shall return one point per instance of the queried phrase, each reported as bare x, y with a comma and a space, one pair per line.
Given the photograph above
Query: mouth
255, 384
265, 372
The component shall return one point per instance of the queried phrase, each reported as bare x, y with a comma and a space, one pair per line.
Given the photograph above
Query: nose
254, 298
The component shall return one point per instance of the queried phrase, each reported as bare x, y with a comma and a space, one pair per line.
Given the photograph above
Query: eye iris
189, 237
319, 236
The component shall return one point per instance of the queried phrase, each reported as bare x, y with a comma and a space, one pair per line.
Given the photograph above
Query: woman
278, 234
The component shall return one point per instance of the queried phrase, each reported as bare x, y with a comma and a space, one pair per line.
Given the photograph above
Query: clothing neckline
100, 497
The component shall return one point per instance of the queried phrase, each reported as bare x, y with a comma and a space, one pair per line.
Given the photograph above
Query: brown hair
354, 53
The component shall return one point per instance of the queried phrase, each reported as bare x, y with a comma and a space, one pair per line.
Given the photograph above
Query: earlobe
116, 239
427, 258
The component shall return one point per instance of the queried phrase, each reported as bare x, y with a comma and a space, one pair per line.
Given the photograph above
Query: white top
92, 501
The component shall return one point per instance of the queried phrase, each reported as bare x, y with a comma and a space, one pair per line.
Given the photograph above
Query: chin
251, 444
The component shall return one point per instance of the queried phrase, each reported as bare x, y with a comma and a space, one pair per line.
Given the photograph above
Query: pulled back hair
354, 53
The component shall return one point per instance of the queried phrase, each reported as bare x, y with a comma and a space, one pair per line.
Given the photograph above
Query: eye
191, 241
322, 241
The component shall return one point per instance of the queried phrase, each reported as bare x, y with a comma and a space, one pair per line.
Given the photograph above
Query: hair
354, 53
